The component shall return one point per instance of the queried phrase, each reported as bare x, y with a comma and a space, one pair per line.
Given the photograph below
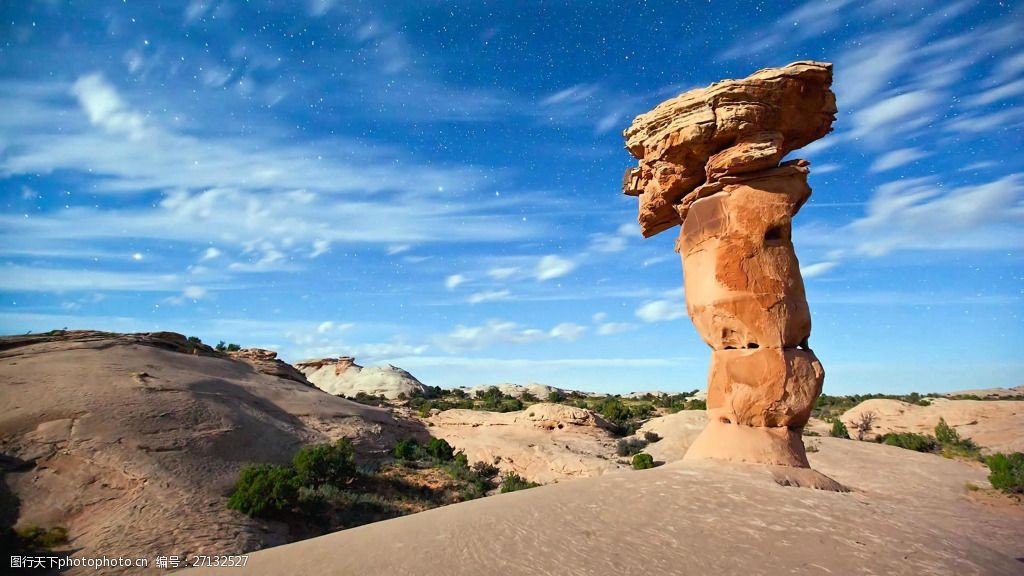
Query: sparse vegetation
1006, 472
221, 347
408, 449
642, 461
651, 437
910, 441
630, 446
265, 490
323, 490
947, 442
34, 537
839, 429
863, 424
322, 464
440, 449
952, 445
512, 482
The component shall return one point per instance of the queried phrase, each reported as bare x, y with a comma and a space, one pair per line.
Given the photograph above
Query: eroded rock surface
342, 376
732, 126
709, 161
133, 441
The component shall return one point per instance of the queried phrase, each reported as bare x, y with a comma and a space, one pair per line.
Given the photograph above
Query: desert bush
651, 437
555, 397
614, 410
408, 449
945, 433
194, 340
839, 429
528, 396
630, 446
642, 461
323, 464
511, 482
952, 444
35, 537
265, 490
440, 448
696, 404
1006, 472
864, 423
485, 469
910, 441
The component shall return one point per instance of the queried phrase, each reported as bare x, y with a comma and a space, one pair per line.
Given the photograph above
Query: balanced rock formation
709, 161
343, 377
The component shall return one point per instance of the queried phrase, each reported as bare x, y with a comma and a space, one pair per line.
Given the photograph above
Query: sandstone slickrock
709, 160
543, 443
267, 362
132, 441
342, 376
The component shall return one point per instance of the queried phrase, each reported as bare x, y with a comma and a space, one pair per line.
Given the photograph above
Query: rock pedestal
709, 161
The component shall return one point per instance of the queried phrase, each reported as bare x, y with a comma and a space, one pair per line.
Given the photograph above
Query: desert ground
907, 513
133, 442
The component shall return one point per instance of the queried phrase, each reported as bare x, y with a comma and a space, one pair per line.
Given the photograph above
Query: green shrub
945, 433
642, 461
910, 441
630, 446
614, 410
1006, 472
194, 340
555, 397
485, 470
323, 464
440, 448
233, 348
407, 449
696, 405
651, 437
512, 482
35, 537
839, 430
265, 490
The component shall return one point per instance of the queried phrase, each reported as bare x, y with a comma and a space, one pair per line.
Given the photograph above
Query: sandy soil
133, 447
995, 425
908, 514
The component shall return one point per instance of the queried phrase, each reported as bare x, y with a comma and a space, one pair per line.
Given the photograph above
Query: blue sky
437, 185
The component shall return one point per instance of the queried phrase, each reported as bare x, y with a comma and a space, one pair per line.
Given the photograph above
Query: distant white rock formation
342, 376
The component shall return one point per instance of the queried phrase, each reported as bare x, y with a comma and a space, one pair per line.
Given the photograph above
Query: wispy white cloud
809, 20
106, 109
661, 311
895, 114
570, 95
552, 266
921, 214
611, 328
897, 158
817, 269
59, 280
1003, 92
452, 282
501, 332
489, 296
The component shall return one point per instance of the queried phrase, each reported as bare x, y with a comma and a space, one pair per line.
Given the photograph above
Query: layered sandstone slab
731, 126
